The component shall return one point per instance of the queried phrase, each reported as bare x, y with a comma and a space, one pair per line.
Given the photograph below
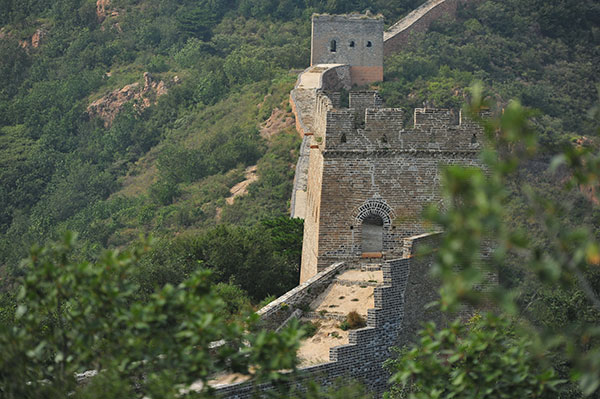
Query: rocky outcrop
103, 10
34, 42
37, 37
144, 96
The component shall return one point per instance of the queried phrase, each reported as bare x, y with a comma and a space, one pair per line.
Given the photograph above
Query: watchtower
355, 40
370, 177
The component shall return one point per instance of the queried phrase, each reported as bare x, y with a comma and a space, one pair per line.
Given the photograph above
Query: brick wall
396, 301
405, 30
363, 160
277, 311
358, 40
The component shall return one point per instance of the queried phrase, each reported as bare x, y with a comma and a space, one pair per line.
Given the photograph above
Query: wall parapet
418, 21
276, 312
367, 126
368, 347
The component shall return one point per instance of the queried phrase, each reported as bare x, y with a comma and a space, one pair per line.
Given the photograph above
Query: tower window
332, 46
351, 43
369, 44
343, 138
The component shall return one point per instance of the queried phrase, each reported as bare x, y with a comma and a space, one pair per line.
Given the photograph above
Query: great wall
362, 180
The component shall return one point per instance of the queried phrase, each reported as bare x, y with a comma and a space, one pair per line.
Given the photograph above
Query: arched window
372, 234
343, 138
351, 43
332, 46
474, 139
369, 44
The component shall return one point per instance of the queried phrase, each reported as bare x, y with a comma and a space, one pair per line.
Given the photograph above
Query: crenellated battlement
367, 126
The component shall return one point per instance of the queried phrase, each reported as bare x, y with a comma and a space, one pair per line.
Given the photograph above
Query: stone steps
357, 282
324, 316
370, 268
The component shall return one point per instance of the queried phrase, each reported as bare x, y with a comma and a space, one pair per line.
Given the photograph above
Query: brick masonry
276, 312
418, 21
363, 161
354, 40
399, 302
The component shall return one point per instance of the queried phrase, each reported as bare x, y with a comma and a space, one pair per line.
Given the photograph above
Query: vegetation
487, 359
353, 321
167, 167
79, 316
548, 296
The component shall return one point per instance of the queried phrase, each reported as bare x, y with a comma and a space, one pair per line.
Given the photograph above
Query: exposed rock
242, 187
278, 121
101, 9
109, 106
37, 37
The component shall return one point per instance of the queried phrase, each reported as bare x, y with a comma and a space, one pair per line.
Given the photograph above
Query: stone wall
310, 243
418, 21
276, 312
364, 161
368, 347
302, 101
421, 288
355, 40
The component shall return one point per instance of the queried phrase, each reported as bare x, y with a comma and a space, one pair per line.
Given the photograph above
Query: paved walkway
304, 96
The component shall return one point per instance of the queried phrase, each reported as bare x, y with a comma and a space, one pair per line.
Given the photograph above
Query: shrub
310, 328
354, 321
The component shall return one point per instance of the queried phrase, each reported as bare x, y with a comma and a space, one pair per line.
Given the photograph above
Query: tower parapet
367, 126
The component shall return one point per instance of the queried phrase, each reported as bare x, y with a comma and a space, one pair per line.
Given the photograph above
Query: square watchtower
354, 39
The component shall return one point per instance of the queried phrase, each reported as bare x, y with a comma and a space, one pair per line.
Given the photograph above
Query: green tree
488, 358
557, 259
73, 316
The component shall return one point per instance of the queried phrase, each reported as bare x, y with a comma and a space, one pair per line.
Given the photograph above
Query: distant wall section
418, 21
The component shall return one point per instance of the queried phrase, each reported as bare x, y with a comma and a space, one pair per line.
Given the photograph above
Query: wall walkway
302, 100
399, 34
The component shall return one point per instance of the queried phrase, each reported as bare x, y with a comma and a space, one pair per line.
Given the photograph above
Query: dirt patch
242, 187
278, 121
342, 299
315, 350
375, 276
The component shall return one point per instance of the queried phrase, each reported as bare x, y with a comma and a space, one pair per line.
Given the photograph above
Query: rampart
365, 163
302, 99
418, 21
275, 313
398, 301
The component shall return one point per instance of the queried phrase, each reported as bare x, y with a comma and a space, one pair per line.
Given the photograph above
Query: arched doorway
372, 234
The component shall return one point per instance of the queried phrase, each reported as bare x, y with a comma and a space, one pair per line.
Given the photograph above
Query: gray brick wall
345, 30
397, 302
365, 158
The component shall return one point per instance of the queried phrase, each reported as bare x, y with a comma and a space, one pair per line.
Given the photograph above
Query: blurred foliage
74, 316
485, 358
547, 259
